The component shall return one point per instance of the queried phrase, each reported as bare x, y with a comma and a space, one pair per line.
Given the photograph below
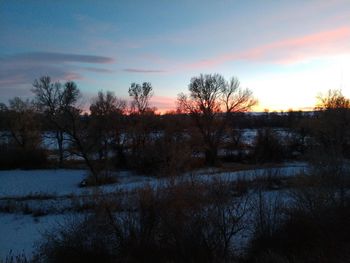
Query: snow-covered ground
17, 183
18, 232
25, 182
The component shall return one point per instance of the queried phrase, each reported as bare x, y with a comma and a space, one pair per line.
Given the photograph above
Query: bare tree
141, 95
333, 123
21, 140
53, 99
107, 103
106, 113
141, 125
334, 99
58, 102
22, 124
211, 101
331, 131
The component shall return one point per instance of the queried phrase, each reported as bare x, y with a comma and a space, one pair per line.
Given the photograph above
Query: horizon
286, 53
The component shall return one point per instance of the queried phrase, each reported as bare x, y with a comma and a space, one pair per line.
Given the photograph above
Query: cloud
17, 81
25, 74
287, 51
309, 46
52, 57
136, 70
23, 68
18, 71
97, 70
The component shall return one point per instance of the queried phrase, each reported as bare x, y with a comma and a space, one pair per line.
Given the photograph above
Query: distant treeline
207, 128
246, 120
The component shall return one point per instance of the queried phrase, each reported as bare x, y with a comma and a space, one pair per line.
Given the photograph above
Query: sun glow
297, 89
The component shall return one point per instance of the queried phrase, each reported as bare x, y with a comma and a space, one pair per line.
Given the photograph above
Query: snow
287, 171
49, 141
15, 183
19, 232
25, 182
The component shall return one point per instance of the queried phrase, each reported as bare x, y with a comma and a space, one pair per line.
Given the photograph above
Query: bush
164, 156
189, 222
90, 239
267, 147
312, 228
14, 158
304, 238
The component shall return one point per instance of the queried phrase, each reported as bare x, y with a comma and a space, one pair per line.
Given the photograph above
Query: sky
286, 52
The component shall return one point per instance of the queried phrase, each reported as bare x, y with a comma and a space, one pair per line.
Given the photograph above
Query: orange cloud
163, 104
291, 50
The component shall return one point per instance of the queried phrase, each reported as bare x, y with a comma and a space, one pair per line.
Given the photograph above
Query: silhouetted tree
332, 134
21, 142
22, 124
59, 103
332, 128
106, 113
53, 99
268, 146
211, 101
141, 95
333, 100
141, 131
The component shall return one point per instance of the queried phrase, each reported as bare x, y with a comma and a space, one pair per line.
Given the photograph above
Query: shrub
14, 158
163, 156
267, 147
312, 228
189, 222
90, 239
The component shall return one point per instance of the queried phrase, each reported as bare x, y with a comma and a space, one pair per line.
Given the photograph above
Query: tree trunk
211, 156
59, 137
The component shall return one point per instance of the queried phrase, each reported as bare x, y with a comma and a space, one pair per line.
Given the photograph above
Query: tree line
209, 120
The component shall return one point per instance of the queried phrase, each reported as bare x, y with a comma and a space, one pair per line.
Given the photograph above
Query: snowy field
20, 231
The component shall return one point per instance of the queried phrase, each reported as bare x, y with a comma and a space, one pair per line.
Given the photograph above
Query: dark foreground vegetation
216, 222
304, 220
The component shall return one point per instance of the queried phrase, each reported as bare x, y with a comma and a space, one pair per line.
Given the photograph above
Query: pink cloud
142, 70
72, 76
296, 49
287, 51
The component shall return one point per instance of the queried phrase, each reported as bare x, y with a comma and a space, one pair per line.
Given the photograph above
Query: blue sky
285, 51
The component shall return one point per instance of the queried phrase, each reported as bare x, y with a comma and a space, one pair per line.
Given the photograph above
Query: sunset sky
286, 52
